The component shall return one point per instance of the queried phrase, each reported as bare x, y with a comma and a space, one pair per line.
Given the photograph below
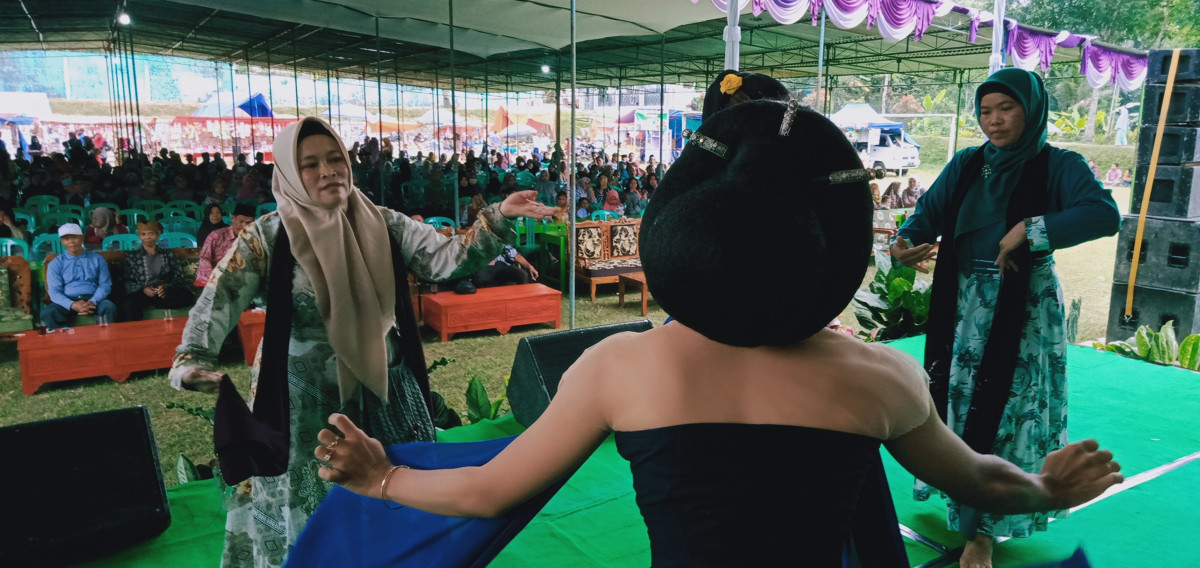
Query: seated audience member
891, 196
1127, 178
77, 282
212, 220
612, 202
219, 193
1113, 175
153, 276
220, 240
546, 189
584, 209
910, 195
635, 198
182, 190
794, 414
104, 223
476, 205
875, 196
248, 190
510, 267
10, 228
562, 209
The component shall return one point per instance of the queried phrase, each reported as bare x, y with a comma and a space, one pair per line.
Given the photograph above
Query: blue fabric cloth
69, 276
351, 530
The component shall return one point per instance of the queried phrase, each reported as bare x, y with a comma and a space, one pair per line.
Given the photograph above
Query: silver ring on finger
328, 456
334, 443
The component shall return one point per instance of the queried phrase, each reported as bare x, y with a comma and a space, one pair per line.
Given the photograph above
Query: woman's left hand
525, 204
356, 462
1011, 242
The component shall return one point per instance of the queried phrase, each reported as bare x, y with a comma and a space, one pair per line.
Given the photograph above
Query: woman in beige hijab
347, 351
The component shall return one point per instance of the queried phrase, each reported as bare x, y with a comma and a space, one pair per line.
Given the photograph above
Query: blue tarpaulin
257, 107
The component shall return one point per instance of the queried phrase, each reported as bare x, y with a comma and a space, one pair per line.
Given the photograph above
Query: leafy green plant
208, 414
479, 406
1158, 347
895, 304
1072, 325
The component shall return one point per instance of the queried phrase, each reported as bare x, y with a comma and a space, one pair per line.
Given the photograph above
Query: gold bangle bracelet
383, 485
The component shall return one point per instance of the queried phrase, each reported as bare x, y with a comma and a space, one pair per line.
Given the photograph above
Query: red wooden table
115, 351
497, 308
250, 331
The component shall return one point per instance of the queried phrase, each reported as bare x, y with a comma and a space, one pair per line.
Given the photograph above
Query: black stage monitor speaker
542, 359
80, 487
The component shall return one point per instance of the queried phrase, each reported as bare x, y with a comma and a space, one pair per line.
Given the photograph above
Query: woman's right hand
913, 256
203, 381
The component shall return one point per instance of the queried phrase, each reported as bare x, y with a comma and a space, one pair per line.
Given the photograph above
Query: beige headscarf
347, 255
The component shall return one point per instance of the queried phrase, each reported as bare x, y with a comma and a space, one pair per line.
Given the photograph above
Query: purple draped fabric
1025, 43
1122, 66
900, 13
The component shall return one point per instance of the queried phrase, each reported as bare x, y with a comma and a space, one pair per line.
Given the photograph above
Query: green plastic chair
192, 208
166, 212
44, 245
126, 241
178, 224
14, 247
42, 203
150, 205
52, 220
132, 216
67, 208
440, 222
525, 180
30, 220
177, 240
414, 194
87, 211
604, 215
264, 208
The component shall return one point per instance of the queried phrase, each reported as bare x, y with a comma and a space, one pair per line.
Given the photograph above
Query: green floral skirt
1035, 417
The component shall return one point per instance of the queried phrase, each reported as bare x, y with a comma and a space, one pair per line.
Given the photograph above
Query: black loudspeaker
542, 359
80, 487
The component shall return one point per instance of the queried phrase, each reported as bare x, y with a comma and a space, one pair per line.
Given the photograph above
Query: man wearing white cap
78, 283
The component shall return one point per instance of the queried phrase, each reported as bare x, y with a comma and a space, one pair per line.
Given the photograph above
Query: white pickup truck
887, 150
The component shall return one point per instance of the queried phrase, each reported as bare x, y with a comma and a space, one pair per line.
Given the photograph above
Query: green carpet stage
1147, 414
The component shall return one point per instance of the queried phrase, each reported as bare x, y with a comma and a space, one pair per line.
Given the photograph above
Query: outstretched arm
1071, 476
563, 437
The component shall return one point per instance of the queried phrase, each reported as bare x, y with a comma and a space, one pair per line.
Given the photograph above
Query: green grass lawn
1086, 273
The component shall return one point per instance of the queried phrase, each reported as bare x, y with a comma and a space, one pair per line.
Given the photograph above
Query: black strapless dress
717, 494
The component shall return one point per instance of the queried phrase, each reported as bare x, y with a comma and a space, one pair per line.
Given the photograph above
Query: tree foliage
1141, 24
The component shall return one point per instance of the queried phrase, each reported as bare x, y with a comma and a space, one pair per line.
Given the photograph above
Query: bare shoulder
908, 385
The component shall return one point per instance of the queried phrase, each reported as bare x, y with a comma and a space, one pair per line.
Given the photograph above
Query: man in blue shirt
78, 283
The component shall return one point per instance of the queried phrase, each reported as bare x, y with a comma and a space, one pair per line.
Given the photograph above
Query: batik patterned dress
267, 514
1034, 422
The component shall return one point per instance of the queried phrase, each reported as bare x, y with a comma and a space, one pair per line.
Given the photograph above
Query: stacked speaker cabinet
1168, 277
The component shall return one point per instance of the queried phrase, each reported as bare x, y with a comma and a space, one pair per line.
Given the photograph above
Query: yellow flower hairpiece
730, 84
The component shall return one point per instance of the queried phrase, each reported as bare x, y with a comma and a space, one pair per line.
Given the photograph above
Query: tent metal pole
270, 93
328, 91
733, 36
662, 93
129, 97
339, 103
137, 103
570, 283
820, 99
487, 118
235, 141
437, 107
557, 105
296, 72
250, 96
378, 79
220, 114
996, 61
619, 115
957, 114
453, 110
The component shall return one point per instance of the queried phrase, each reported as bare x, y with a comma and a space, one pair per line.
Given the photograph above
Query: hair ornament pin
706, 143
789, 116
730, 84
851, 176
